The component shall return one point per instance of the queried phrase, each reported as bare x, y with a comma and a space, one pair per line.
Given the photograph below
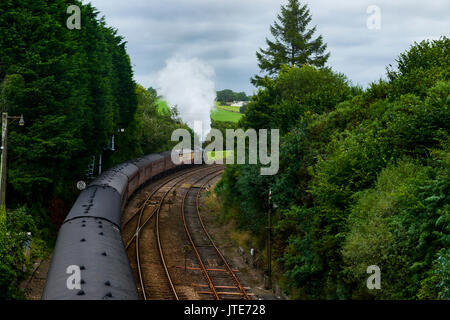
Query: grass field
220, 113
228, 108
223, 115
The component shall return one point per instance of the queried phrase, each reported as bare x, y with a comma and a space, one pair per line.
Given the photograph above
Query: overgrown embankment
363, 179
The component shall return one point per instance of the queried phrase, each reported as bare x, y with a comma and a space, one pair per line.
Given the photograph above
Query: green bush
284, 101
420, 68
14, 226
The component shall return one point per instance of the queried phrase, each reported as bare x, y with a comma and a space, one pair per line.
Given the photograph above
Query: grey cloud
227, 33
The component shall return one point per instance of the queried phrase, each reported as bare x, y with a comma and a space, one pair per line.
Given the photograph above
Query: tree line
227, 96
76, 91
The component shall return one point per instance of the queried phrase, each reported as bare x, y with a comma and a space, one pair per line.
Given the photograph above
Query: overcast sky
226, 33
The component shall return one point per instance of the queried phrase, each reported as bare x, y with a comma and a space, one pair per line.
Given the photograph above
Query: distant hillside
222, 115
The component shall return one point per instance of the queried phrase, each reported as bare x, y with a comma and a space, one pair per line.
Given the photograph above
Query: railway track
152, 273
221, 280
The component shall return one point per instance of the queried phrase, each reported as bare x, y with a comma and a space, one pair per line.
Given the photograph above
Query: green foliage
153, 127
10, 89
294, 251
415, 126
153, 92
14, 226
220, 115
7, 272
228, 108
282, 102
363, 179
163, 107
442, 271
75, 89
395, 227
420, 68
223, 126
246, 183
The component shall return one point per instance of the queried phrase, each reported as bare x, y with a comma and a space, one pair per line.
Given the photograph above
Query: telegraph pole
269, 243
3, 159
4, 149
100, 164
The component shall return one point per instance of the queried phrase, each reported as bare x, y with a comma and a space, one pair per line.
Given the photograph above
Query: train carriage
168, 163
90, 235
158, 166
132, 172
155, 166
114, 179
142, 163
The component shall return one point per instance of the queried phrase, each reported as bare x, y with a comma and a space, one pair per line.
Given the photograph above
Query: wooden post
269, 243
4, 159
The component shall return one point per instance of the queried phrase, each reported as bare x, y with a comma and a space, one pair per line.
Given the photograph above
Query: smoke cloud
189, 84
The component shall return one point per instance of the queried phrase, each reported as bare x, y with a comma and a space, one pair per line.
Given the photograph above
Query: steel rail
161, 253
227, 266
194, 247
139, 228
182, 176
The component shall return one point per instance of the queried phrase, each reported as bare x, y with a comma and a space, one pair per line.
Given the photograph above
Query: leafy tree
14, 226
293, 43
420, 68
75, 89
227, 96
153, 92
153, 128
282, 102
241, 96
396, 226
223, 126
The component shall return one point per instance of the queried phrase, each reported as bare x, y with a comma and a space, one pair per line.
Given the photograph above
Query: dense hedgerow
363, 179
75, 89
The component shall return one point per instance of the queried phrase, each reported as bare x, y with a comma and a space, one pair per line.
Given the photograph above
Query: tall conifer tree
294, 42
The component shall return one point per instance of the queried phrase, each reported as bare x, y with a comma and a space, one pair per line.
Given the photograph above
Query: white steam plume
189, 84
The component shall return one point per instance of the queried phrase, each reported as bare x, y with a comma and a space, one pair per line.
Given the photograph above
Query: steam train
89, 260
